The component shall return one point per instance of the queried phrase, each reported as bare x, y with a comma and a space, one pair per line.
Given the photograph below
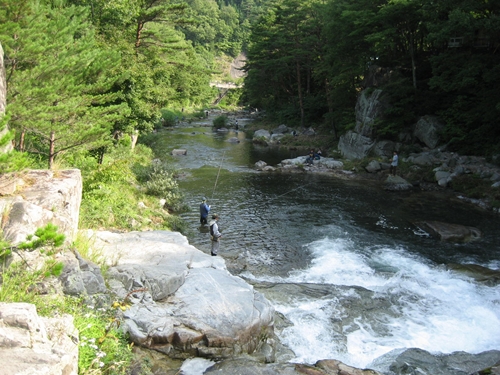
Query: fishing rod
220, 166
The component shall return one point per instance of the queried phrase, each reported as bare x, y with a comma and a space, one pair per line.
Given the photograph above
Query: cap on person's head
215, 216
203, 199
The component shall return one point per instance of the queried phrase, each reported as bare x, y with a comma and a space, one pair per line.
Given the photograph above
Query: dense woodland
308, 59
80, 73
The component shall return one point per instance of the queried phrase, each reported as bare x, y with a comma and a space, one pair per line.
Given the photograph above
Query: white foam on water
431, 308
339, 265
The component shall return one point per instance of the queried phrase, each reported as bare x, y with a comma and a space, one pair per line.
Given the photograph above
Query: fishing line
300, 187
220, 166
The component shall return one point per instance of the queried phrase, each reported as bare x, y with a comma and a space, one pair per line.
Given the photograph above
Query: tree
283, 53
159, 67
58, 87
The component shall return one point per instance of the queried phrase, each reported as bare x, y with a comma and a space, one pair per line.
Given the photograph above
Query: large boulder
427, 131
46, 197
80, 276
478, 272
353, 145
396, 183
418, 361
262, 133
450, 232
30, 344
184, 302
385, 149
282, 129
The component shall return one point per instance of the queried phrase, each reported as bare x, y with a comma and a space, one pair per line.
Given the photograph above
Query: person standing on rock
204, 210
394, 164
215, 234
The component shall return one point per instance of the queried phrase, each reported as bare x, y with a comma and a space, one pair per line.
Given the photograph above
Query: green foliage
472, 186
169, 118
19, 284
103, 348
231, 99
43, 237
58, 93
14, 161
160, 183
120, 193
309, 61
220, 122
5, 249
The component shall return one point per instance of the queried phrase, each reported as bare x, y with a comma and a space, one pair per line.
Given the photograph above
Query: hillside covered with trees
307, 61
82, 72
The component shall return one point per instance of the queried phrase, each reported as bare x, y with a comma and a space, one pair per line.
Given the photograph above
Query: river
342, 262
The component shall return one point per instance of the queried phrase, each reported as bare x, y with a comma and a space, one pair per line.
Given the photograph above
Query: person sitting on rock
310, 158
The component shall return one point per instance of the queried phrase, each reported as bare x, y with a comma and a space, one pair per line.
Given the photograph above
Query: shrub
14, 161
220, 122
169, 118
160, 183
472, 186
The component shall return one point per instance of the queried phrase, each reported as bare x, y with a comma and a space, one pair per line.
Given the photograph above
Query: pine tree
59, 95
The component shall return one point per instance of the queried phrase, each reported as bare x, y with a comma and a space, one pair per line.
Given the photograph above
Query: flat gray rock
183, 302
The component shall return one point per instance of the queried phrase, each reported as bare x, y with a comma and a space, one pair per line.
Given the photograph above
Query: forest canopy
79, 72
307, 62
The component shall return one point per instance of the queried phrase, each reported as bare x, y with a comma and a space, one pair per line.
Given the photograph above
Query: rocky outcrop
81, 277
249, 367
30, 344
184, 303
449, 232
369, 107
39, 197
320, 165
261, 134
178, 152
479, 273
353, 145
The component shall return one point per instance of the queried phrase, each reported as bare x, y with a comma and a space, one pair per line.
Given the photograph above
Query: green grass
103, 348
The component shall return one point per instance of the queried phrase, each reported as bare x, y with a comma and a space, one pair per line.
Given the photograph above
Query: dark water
351, 237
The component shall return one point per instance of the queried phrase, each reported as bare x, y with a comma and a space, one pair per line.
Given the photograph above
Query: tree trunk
330, 107
52, 148
413, 65
299, 88
140, 26
134, 137
21, 141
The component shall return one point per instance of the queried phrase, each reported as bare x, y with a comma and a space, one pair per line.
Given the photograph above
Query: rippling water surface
342, 260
